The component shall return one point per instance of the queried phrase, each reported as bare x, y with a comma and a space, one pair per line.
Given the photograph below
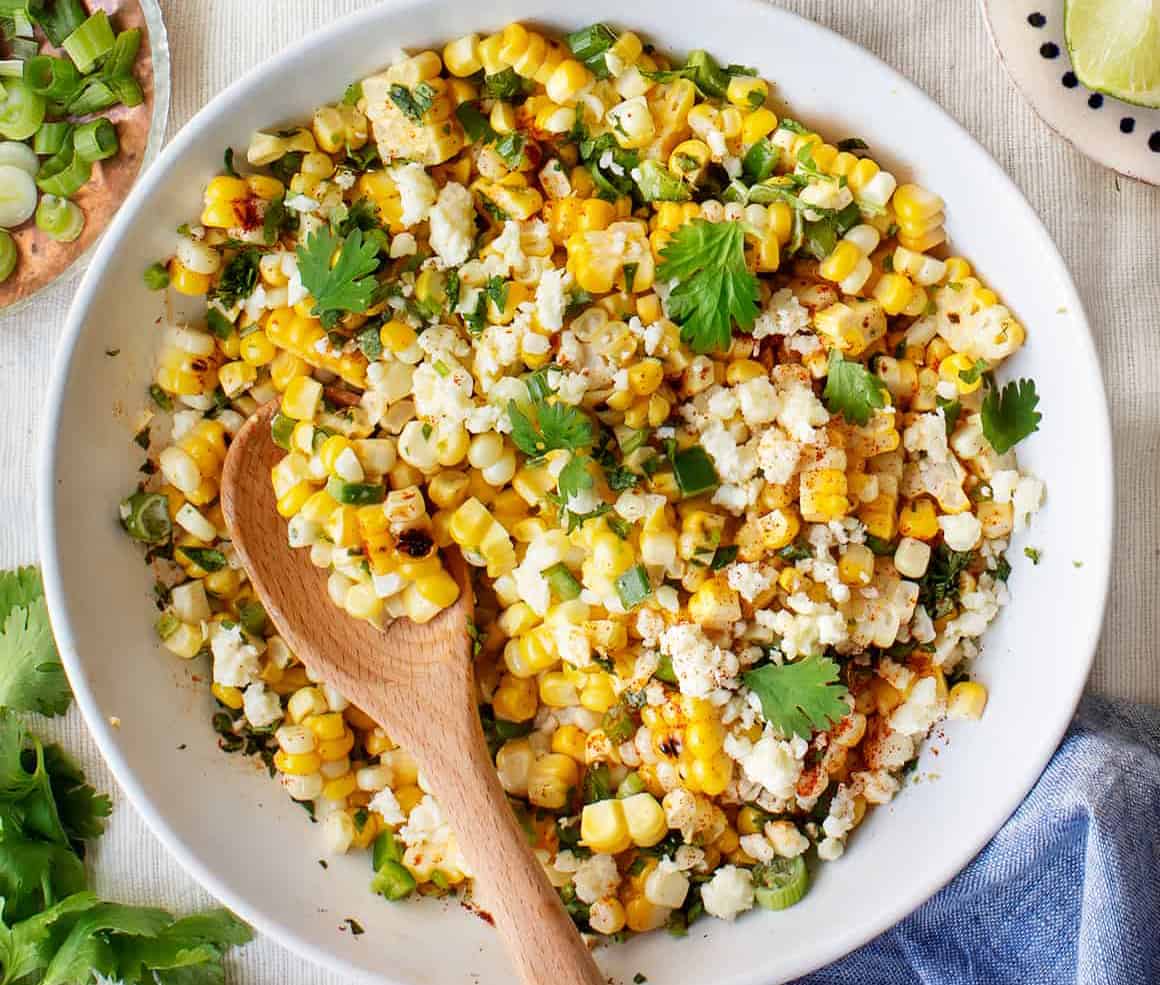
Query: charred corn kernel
953, 369
551, 779
301, 398
645, 819
856, 565
704, 739
569, 740
604, 828
231, 697
297, 764
918, 519
515, 699
461, 57
823, 495
967, 699
567, 81
185, 281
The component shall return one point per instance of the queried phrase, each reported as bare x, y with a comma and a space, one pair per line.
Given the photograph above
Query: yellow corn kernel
409, 797
598, 694
705, 738
856, 565
646, 376
440, 589
760, 123
954, 366
329, 725
319, 507
823, 495
294, 499
645, 819
185, 281
967, 699
913, 203
297, 764
340, 788
558, 691
333, 749
567, 81
711, 776
841, 262
918, 520
715, 605
604, 828
894, 292
643, 916
747, 92
569, 740
956, 269
301, 398
551, 779
515, 699
461, 57
231, 697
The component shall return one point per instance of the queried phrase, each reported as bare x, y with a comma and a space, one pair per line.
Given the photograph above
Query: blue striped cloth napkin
1067, 893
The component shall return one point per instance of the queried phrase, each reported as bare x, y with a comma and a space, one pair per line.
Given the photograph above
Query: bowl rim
841, 940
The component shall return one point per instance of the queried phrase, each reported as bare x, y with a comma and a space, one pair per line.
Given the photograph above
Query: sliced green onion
658, 184
123, 55
59, 219
633, 586
93, 98
694, 471
23, 49
22, 111
8, 255
90, 42
17, 196
630, 785
51, 137
760, 160
281, 427
664, 671
590, 41
19, 155
69, 181
252, 616
61, 159
96, 140
22, 28
562, 582
126, 90
204, 557
57, 79
356, 493
11, 68
167, 624
145, 517
780, 882
393, 881
59, 19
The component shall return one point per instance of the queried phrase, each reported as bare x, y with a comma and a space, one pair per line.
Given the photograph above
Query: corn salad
700, 397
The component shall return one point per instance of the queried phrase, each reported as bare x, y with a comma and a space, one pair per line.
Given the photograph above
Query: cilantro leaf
972, 374
20, 587
27, 947
88, 947
574, 478
1009, 415
938, 589
852, 390
412, 103
715, 288
800, 698
239, 277
557, 426
347, 285
31, 675
80, 809
191, 949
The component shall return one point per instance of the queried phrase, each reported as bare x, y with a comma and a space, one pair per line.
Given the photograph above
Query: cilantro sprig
31, 675
553, 425
1009, 415
852, 390
800, 698
348, 285
715, 288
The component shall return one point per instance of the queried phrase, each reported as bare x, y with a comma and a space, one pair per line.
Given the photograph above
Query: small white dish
237, 832
1028, 37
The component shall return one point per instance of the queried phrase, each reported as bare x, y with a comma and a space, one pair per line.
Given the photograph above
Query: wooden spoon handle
511, 884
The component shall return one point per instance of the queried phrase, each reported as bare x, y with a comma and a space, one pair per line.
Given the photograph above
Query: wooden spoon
418, 682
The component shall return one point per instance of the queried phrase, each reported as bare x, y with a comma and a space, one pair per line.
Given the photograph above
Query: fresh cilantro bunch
852, 390
800, 698
53, 931
346, 286
715, 289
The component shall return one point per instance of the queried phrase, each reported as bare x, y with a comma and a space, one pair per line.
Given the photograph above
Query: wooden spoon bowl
417, 681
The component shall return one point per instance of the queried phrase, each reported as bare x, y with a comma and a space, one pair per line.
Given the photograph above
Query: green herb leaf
31, 675
972, 375
800, 698
852, 390
412, 103
238, 278
715, 288
1009, 415
557, 425
574, 478
347, 286
938, 589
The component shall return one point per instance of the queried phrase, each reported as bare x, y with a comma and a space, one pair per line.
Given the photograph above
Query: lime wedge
1115, 47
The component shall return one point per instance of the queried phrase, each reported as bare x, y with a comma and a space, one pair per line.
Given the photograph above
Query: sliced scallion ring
126, 90
69, 181
22, 111
94, 97
124, 54
59, 219
780, 882
90, 42
57, 79
19, 155
51, 137
17, 196
145, 517
96, 140
8, 255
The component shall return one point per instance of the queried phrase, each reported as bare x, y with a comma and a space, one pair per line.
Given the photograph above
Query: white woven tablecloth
1107, 228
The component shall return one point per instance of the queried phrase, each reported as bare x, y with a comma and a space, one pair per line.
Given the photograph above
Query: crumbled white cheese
728, 893
387, 805
961, 531
235, 660
416, 191
595, 878
453, 224
262, 707
700, 665
552, 298
773, 763
749, 579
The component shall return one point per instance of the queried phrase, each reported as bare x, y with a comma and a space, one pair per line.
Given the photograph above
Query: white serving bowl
234, 829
